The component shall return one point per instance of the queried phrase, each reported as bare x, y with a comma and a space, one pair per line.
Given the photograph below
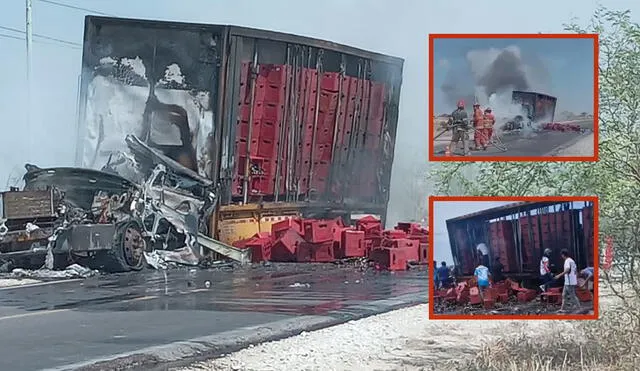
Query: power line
63, 5
10, 36
6, 36
40, 36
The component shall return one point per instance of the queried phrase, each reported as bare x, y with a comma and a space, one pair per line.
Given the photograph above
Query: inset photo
502, 97
513, 258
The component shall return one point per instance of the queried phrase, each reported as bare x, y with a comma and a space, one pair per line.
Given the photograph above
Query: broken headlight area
105, 221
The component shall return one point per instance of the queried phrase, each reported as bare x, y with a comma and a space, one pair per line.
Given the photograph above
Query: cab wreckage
138, 210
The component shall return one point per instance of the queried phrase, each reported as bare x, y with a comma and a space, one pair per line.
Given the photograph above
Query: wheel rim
133, 246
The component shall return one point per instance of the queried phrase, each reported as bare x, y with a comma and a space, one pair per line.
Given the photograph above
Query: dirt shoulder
404, 339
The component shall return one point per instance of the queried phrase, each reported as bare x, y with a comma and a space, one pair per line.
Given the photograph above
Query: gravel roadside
404, 339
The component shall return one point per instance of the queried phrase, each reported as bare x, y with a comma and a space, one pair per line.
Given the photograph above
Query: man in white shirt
570, 274
483, 251
545, 270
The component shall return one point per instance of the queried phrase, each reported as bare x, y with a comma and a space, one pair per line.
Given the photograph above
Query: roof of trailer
505, 210
250, 32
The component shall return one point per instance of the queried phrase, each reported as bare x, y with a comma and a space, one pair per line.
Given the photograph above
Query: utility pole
29, 38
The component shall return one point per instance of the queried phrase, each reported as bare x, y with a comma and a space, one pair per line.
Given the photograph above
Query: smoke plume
495, 72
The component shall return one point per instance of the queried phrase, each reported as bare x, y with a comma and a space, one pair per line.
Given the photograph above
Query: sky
398, 27
568, 63
445, 210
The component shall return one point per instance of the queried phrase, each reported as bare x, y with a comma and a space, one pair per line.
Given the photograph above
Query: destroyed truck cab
101, 219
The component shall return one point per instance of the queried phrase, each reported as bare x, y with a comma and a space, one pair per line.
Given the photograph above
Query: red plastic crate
316, 252
330, 81
353, 244
260, 249
390, 258
394, 233
279, 228
268, 93
273, 73
262, 111
318, 230
262, 129
285, 248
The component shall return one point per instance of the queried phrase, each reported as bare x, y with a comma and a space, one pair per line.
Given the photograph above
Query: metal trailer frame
476, 228
236, 43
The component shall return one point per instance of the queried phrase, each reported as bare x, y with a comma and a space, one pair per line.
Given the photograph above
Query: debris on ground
72, 271
506, 297
164, 259
13, 282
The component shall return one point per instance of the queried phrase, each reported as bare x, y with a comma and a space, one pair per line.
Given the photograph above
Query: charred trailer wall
307, 120
464, 236
156, 80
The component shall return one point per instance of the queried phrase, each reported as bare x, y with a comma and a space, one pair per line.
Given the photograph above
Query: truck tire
126, 252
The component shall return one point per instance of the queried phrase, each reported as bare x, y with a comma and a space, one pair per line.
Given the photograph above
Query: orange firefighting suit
478, 124
489, 121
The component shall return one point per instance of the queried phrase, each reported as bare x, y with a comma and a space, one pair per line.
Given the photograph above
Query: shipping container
518, 234
282, 123
538, 106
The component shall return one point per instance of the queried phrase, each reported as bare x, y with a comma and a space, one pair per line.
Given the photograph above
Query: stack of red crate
501, 240
267, 116
420, 234
372, 138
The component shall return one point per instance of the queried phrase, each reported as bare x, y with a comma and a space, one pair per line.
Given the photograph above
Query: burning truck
536, 107
192, 137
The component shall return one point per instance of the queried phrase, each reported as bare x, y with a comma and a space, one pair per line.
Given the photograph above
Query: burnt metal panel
27, 204
91, 237
152, 68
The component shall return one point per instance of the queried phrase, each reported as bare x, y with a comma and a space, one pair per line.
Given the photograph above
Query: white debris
298, 284
164, 259
173, 74
404, 339
11, 282
30, 228
136, 66
72, 271
108, 61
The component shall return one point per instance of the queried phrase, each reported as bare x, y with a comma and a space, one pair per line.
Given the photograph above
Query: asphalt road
543, 143
50, 326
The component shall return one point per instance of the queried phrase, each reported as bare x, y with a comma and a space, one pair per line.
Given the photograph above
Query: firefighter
478, 124
458, 121
489, 121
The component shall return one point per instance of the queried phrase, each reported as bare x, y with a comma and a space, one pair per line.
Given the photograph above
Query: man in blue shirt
436, 281
443, 275
482, 276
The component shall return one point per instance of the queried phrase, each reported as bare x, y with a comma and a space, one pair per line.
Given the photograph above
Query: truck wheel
129, 246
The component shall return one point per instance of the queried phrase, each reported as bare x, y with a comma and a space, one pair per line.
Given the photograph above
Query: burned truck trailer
281, 124
537, 106
518, 234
